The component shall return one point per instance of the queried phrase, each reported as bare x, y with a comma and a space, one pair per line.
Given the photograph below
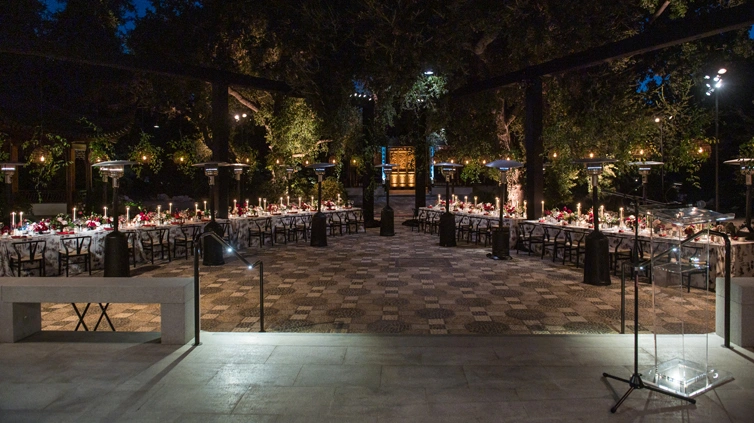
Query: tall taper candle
13, 220
128, 214
205, 206
170, 210
543, 208
106, 212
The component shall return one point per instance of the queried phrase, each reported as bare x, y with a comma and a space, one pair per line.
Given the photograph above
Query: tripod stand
635, 381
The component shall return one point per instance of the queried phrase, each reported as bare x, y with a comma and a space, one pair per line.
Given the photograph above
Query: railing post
197, 294
261, 296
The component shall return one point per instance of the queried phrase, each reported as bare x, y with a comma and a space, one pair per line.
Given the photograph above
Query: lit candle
475, 203
21, 219
74, 213
105, 212
299, 202
312, 200
439, 200
524, 208
578, 210
621, 217
205, 206
260, 201
264, 203
128, 214
287, 200
338, 198
281, 201
497, 203
465, 199
170, 210
196, 209
543, 208
13, 220
602, 212
159, 215
247, 203
234, 206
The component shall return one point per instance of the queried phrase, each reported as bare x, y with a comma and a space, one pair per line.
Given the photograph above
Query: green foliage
294, 128
46, 157
331, 187
425, 93
146, 154
187, 151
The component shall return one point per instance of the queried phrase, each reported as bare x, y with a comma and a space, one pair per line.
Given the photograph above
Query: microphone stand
635, 381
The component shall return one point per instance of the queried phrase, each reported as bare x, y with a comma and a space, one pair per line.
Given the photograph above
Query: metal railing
197, 287
643, 264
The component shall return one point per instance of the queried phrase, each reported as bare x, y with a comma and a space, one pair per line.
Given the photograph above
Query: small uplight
333, 161
243, 115
507, 158
247, 160
467, 162
657, 120
250, 267
181, 158
591, 155
451, 160
641, 152
41, 158
554, 155
144, 158
722, 71
484, 161
230, 250
237, 117
277, 161
701, 150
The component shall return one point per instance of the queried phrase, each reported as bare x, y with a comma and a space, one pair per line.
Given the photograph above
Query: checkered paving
406, 284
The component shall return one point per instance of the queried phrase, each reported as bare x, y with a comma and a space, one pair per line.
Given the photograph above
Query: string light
554, 155
144, 158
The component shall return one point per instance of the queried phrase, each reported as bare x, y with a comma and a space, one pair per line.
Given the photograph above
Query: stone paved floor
405, 284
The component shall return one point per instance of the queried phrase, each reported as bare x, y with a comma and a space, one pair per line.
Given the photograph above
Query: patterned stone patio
407, 284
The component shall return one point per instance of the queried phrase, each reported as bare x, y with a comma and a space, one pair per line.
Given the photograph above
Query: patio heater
447, 220
501, 238
213, 249
116, 243
9, 169
238, 169
319, 221
596, 252
747, 169
644, 169
387, 218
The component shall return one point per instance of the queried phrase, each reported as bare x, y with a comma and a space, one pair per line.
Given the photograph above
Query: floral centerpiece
510, 210
144, 217
272, 208
41, 227
94, 221
62, 222
329, 205
488, 207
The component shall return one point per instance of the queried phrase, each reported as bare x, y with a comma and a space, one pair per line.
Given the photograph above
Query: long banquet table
238, 235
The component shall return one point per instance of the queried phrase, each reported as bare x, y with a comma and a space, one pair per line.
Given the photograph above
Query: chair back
30, 250
131, 238
154, 236
226, 229
190, 231
75, 245
263, 224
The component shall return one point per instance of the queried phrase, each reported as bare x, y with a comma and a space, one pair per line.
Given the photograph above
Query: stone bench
741, 310
20, 298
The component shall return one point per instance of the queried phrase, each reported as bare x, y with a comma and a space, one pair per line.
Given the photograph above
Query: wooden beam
674, 33
134, 64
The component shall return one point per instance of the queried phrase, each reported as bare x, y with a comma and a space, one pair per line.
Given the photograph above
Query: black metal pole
261, 296
213, 250
116, 245
596, 248
717, 158
319, 221
748, 205
197, 294
447, 220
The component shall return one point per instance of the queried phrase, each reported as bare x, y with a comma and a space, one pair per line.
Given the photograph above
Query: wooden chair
550, 240
261, 228
156, 239
528, 239
186, 239
573, 246
226, 236
355, 219
464, 228
336, 220
28, 253
75, 248
621, 252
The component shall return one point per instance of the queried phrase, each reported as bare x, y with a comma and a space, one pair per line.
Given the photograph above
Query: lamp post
596, 252
747, 169
712, 87
387, 218
213, 250
447, 220
238, 169
501, 237
116, 243
9, 169
319, 221
644, 169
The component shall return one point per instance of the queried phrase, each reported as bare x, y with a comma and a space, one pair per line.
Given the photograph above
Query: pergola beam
674, 33
134, 64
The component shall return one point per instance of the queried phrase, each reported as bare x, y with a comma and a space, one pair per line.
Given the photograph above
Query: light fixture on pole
238, 169
387, 218
9, 169
288, 170
116, 243
501, 237
596, 251
713, 86
447, 220
213, 249
644, 169
319, 220
747, 169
